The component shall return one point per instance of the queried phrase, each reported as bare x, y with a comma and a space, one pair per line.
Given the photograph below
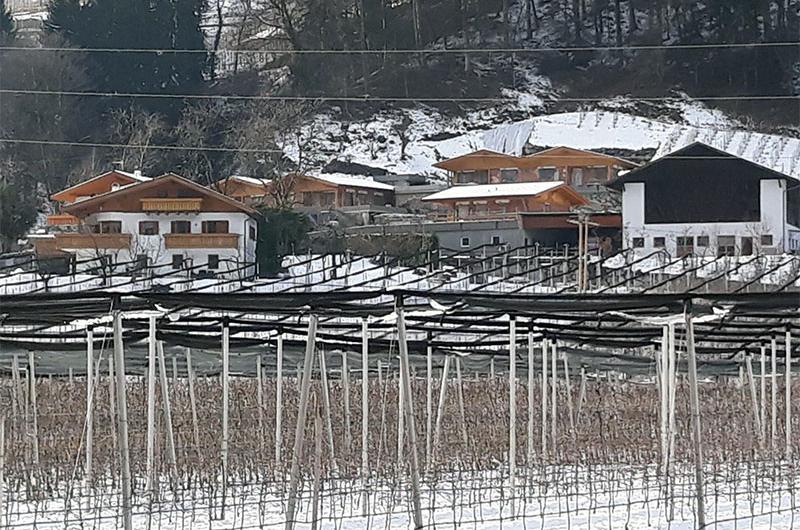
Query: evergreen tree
127, 25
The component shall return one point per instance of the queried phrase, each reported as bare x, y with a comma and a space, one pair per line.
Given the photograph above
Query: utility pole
583, 222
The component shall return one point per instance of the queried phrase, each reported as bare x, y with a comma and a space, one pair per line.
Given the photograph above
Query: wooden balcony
173, 241
98, 241
62, 219
172, 205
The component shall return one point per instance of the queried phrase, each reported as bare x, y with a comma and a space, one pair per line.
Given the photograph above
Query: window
472, 177
726, 246
215, 227
181, 227
177, 261
496, 240
110, 227
638, 242
548, 173
465, 242
685, 246
702, 241
213, 261
148, 228
141, 262
509, 175
252, 233
576, 176
747, 246
659, 242
766, 240
595, 174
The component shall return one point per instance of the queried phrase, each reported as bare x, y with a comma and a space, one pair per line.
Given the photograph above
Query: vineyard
388, 396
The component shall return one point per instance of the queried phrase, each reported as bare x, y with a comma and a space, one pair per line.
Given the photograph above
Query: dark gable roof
698, 158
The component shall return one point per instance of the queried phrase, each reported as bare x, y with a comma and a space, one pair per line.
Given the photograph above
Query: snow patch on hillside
432, 137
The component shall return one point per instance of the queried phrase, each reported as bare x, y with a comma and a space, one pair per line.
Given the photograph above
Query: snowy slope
433, 137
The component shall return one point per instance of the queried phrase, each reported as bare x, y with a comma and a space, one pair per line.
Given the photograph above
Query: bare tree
264, 137
137, 130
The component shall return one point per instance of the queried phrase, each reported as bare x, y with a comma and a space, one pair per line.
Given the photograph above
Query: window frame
659, 242
103, 227
204, 226
151, 223
177, 261
514, 175
728, 248
637, 242
554, 178
173, 224
767, 240
463, 240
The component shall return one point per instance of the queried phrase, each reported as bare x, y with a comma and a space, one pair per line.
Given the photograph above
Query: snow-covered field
555, 498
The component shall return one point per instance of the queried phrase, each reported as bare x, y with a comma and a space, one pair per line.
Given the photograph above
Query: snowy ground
434, 138
568, 498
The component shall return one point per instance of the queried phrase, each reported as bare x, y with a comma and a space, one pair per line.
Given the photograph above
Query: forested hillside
214, 88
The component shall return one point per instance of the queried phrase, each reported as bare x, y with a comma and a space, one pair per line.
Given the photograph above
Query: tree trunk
416, 20
618, 22
506, 22
632, 26
576, 18
217, 38
364, 45
462, 7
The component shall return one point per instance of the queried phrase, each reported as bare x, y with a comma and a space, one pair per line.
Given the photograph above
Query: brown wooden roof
484, 159
124, 198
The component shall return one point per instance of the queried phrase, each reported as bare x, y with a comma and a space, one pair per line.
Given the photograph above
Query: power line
252, 150
431, 51
371, 99
138, 146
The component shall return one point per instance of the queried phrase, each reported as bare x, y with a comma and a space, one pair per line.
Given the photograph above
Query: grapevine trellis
311, 395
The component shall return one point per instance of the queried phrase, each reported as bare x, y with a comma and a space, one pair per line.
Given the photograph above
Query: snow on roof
493, 190
136, 175
342, 179
251, 180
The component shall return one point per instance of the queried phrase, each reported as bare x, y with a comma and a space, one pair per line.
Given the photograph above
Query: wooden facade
575, 167
504, 201
168, 193
314, 192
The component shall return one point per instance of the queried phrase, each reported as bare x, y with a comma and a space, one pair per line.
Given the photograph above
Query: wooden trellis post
279, 402
409, 412
788, 362
299, 434
151, 404
89, 404
695, 403
512, 408
122, 410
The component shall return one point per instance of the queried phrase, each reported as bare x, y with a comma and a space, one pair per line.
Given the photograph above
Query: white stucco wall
153, 245
772, 222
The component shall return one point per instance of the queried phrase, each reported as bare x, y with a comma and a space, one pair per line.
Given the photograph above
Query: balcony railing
172, 241
172, 205
99, 241
62, 219
476, 216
